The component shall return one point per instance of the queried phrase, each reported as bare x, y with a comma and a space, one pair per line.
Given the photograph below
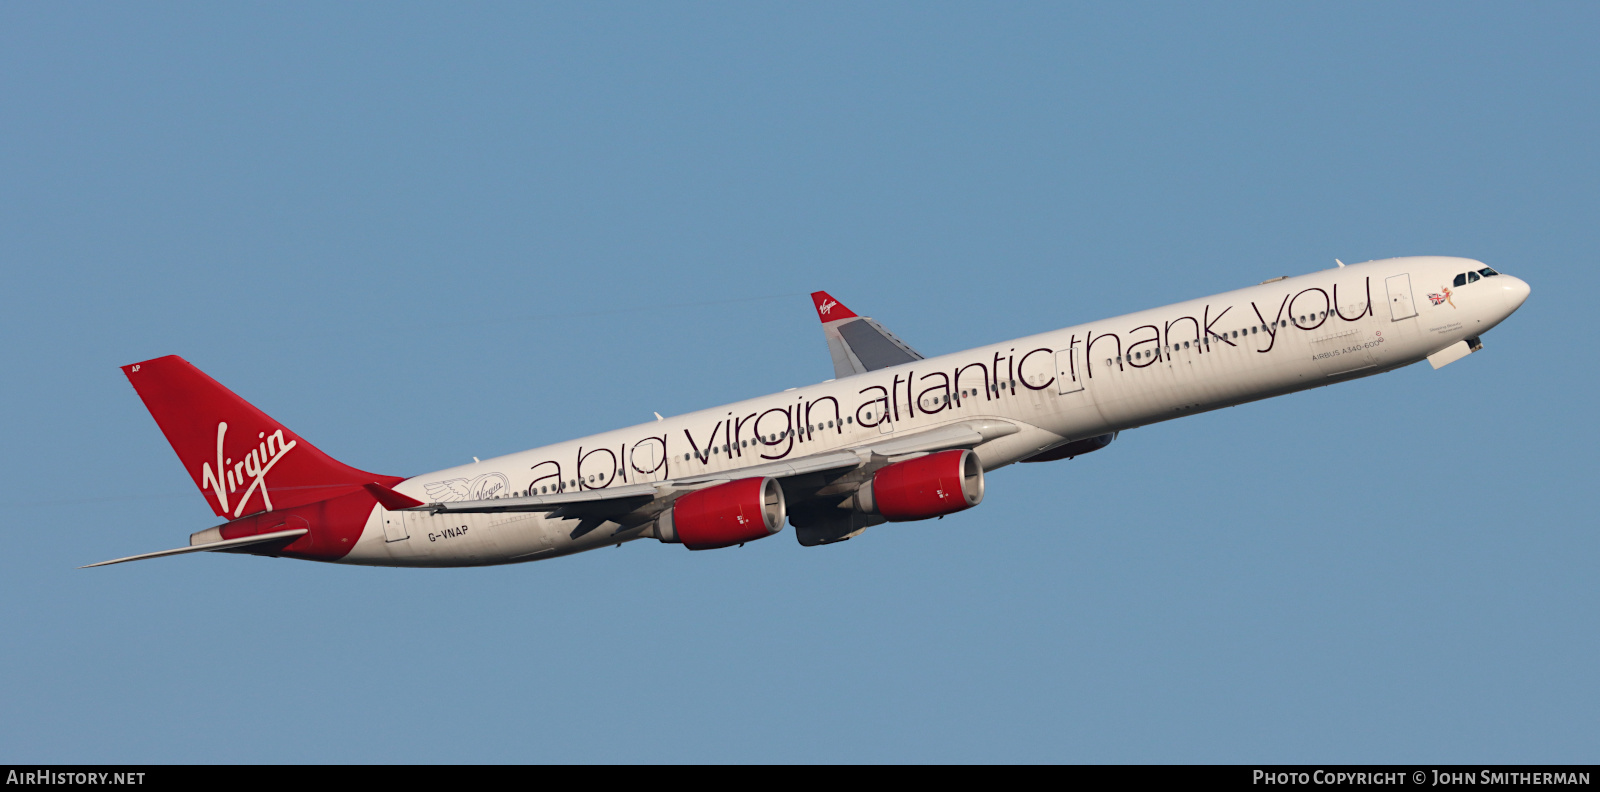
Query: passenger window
1461, 280
1472, 277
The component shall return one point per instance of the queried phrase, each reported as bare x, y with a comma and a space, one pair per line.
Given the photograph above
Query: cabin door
1068, 366
1400, 303
647, 460
394, 526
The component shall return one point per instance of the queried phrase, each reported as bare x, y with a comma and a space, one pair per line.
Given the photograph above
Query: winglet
389, 499
829, 309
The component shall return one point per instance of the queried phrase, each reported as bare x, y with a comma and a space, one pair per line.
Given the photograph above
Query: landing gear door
1068, 371
1400, 303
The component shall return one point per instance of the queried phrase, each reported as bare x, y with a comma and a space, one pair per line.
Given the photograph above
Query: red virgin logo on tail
825, 306
229, 474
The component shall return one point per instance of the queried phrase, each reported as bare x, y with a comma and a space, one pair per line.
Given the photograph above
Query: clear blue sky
422, 233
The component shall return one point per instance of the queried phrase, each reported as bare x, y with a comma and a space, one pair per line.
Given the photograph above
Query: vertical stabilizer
243, 461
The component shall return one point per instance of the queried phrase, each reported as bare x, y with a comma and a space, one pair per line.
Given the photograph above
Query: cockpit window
1472, 277
1461, 280
1488, 272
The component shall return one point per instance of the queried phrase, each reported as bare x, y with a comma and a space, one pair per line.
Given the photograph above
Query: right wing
857, 344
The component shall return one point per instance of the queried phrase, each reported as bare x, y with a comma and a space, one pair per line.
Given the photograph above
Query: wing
826, 478
857, 343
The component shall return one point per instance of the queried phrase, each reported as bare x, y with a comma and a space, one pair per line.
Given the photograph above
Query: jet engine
727, 514
928, 486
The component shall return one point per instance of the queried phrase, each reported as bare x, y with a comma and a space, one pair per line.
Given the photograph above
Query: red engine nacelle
929, 486
727, 514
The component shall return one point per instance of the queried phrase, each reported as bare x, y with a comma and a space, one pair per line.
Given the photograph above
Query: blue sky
422, 233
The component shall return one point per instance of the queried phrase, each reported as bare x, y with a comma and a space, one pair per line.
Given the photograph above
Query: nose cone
1514, 291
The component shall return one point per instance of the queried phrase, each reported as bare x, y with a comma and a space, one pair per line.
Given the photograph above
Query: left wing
649, 499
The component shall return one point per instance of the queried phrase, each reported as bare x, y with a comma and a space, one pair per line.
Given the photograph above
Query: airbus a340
893, 437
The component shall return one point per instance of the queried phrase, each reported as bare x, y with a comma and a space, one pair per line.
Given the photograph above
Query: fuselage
1057, 387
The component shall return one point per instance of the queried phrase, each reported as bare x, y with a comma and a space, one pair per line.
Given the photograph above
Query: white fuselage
1078, 382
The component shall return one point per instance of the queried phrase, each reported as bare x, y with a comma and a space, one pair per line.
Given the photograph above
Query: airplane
893, 437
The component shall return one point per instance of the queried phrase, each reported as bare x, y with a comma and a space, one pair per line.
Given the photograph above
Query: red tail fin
242, 460
829, 309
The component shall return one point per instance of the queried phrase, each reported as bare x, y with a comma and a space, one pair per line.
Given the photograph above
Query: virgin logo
229, 476
825, 307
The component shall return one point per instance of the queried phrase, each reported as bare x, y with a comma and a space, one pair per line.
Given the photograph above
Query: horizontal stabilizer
227, 544
389, 499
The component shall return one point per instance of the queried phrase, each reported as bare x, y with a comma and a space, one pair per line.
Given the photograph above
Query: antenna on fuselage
1340, 263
